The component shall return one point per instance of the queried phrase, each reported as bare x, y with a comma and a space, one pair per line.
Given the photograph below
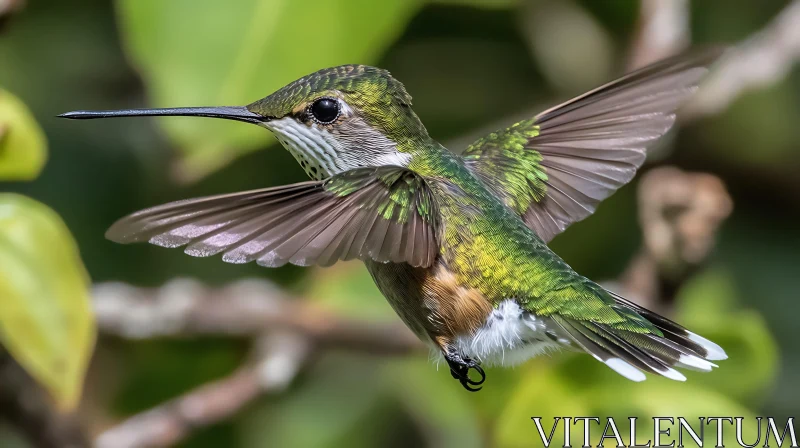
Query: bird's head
331, 121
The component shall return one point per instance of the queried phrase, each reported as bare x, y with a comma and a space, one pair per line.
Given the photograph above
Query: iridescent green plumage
383, 101
490, 249
503, 161
457, 243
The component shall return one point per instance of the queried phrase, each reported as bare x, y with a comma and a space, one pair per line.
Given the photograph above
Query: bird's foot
460, 367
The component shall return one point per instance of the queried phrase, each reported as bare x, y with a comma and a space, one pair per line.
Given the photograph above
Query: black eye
325, 110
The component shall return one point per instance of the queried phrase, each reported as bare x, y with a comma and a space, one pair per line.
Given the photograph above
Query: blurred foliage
710, 305
478, 3
196, 52
46, 321
550, 28
23, 149
193, 52
472, 66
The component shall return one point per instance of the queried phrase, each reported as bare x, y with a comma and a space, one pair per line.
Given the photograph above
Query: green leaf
207, 52
46, 321
23, 148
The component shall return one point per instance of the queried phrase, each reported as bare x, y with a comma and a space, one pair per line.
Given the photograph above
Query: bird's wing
385, 214
555, 168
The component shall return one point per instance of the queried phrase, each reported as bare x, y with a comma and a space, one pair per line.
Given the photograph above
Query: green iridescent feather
405, 192
489, 248
504, 162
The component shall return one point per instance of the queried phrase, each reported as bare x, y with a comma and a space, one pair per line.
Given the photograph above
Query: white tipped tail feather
714, 351
512, 335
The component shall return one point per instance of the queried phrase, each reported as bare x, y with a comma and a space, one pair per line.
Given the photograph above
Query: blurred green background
470, 65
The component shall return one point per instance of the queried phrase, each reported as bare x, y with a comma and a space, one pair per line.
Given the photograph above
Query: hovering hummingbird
455, 242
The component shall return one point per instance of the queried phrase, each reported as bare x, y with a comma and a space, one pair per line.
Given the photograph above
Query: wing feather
556, 168
366, 213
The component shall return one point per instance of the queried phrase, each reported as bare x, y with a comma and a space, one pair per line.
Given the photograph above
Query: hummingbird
455, 241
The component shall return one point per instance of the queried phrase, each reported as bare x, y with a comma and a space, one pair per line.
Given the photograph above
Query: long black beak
238, 113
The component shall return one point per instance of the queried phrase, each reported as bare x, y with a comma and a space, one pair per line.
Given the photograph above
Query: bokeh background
471, 66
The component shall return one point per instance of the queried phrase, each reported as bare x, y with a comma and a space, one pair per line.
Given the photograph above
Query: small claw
467, 386
480, 371
459, 369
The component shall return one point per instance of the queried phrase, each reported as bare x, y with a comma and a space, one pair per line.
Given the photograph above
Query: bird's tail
631, 353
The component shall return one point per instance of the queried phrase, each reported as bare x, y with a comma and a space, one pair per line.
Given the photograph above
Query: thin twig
186, 308
680, 214
662, 31
171, 422
762, 60
251, 308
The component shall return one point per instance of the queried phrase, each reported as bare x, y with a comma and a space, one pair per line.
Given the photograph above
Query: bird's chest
430, 300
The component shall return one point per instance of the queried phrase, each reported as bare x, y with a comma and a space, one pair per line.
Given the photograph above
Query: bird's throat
323, 152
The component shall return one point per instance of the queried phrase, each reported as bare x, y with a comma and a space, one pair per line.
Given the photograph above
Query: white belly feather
509, 337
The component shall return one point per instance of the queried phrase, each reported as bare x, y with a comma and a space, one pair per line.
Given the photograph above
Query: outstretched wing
386, 214
555, 168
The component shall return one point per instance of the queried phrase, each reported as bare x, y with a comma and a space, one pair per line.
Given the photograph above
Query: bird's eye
325, 110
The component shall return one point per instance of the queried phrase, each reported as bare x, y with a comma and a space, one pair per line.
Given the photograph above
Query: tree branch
171, 422
185, 308
680, 214
762, 60
662, 31
287, 331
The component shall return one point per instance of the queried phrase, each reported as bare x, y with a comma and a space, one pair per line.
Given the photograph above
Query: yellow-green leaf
23, 148
46, 320
208, 52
